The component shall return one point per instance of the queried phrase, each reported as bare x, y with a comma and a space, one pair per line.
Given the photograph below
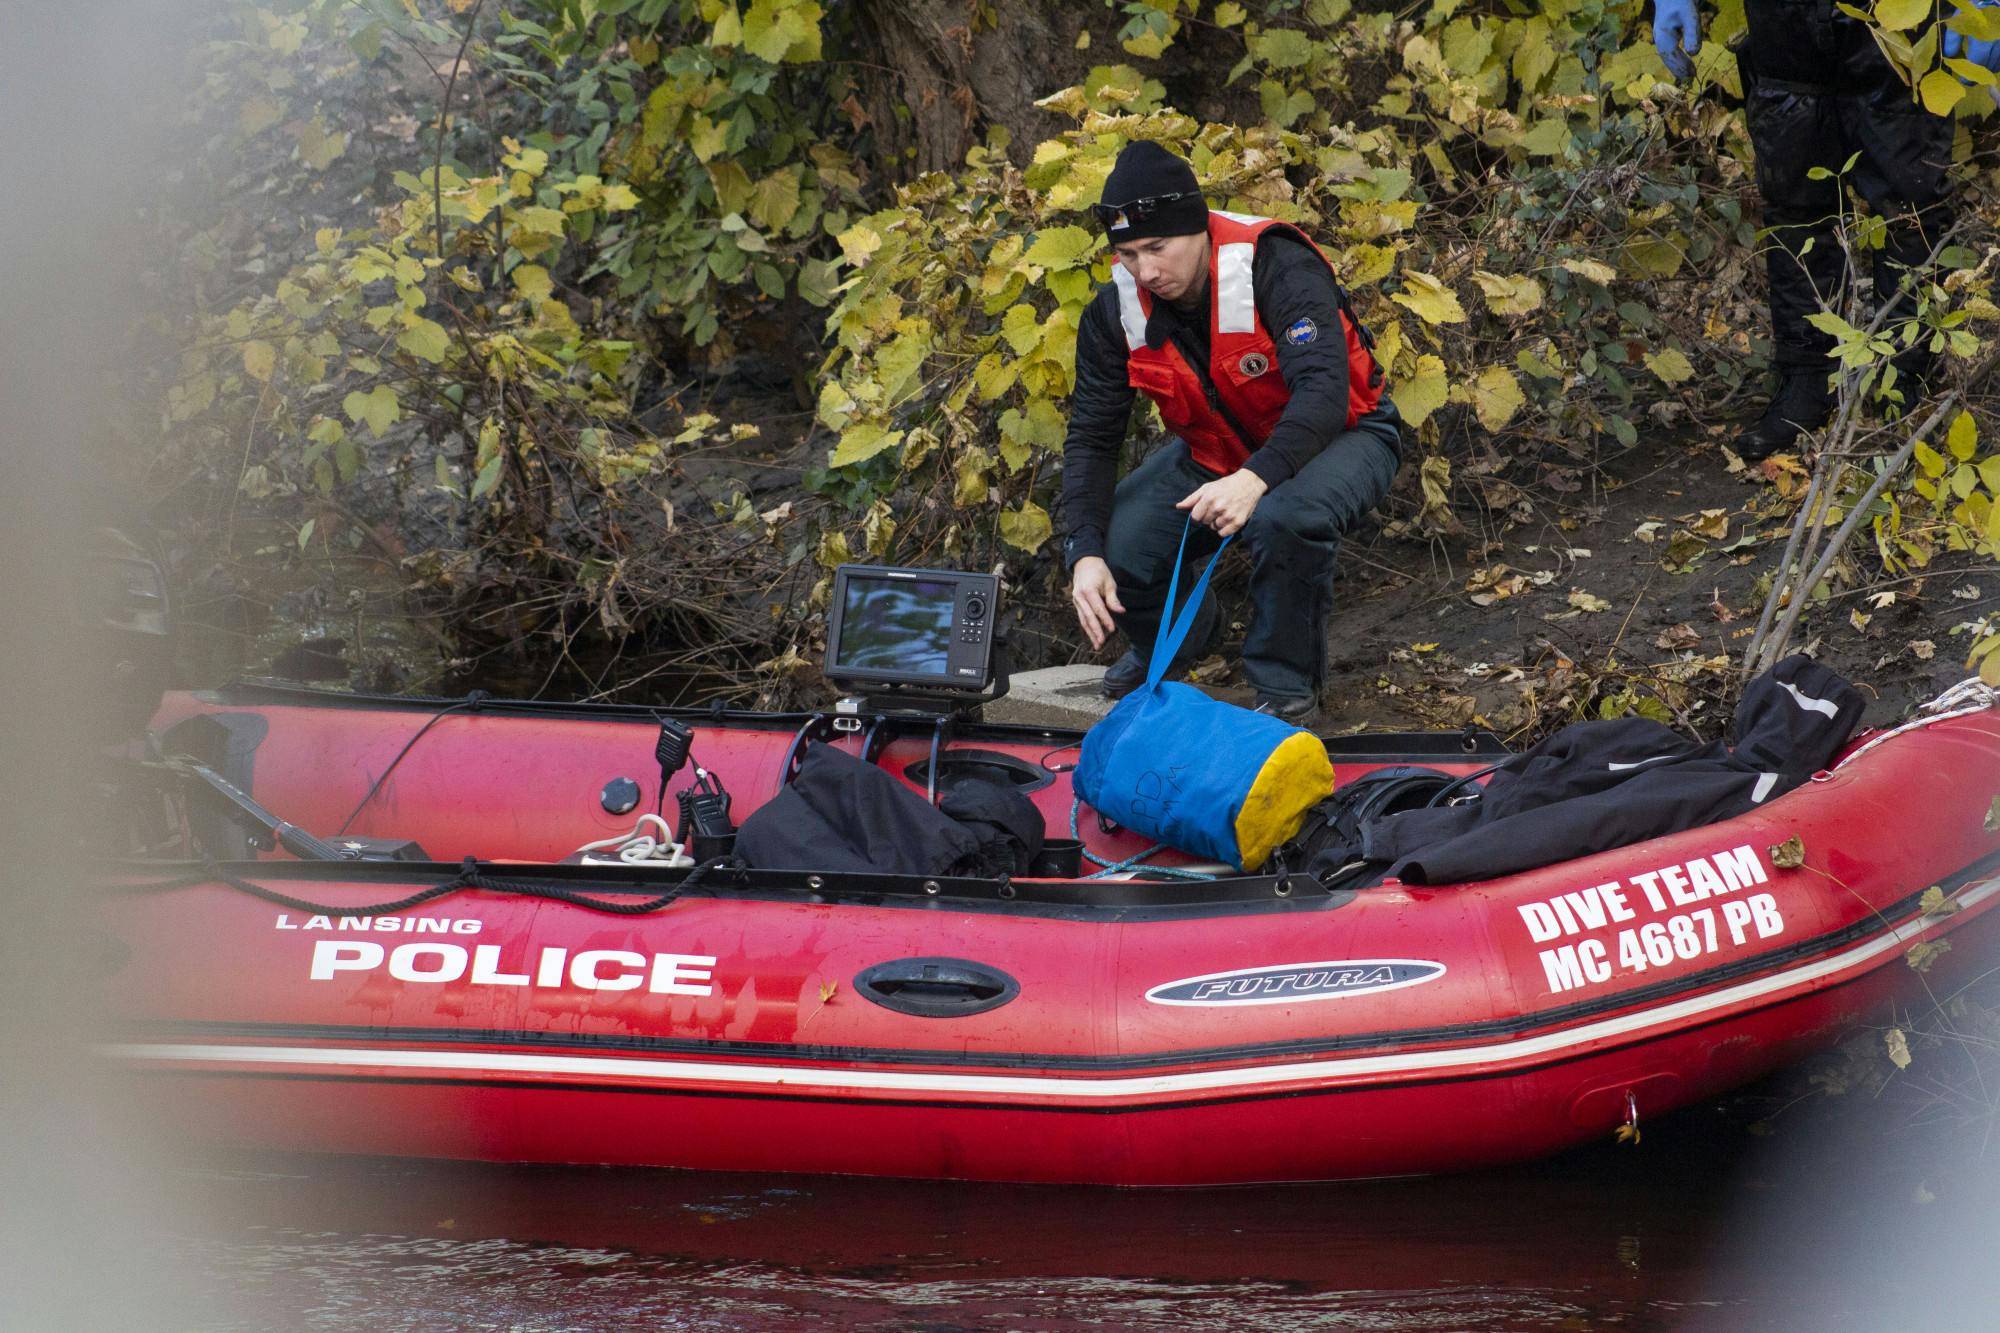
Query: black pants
1293, 536
1818, 91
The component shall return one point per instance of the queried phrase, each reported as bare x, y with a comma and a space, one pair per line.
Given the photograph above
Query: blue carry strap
1171, 636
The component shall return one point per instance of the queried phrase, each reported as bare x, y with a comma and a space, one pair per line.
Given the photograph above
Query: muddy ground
1585, 586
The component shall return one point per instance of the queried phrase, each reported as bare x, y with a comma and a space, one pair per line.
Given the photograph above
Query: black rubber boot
1300, 712
1125, 675
1802, 404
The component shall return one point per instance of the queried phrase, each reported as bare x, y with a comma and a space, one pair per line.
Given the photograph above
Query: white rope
1961, 700
639, 847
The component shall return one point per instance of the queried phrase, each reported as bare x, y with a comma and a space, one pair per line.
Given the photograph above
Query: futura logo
1289, 983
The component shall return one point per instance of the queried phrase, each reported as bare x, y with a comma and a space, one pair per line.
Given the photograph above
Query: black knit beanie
1144, 170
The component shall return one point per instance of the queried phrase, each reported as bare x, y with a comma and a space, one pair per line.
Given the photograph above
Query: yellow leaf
1423, 393
1592, 270
1061, 247
1902, 15
1899, 1048
1935, 902
532, 282
1584, 601
1509, 296
1432, 301
1942, 92
260, 359
858, 242
318, 145
1496, 397
1026, 528
973, 467
1964, 437
1789, 854
1671, 365
862, 441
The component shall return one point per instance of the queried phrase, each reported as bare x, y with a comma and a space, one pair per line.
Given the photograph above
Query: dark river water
1824, 1224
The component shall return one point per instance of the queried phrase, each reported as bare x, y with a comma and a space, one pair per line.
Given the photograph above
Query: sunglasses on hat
1113, 216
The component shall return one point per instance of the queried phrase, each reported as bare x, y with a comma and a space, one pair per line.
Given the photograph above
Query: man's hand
1985, 53
1095, 594
1225, 503
1676, 35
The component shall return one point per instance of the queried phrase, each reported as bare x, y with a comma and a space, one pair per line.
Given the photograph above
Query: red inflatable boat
1133, 1031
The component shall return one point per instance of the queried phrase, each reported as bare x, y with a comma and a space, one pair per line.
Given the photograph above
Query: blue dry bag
1207, 777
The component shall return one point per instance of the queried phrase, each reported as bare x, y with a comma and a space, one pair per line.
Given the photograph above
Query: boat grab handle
936, 987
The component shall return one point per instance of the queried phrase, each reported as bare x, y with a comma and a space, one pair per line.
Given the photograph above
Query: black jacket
1598, 785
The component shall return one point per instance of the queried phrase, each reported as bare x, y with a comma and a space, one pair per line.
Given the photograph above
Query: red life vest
1243, 363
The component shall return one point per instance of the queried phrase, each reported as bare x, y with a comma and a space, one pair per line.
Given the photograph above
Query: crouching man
1236, 328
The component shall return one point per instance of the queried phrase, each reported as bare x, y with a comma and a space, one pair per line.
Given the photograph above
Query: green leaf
424, 338
775, 199
732, 186
1026, 528
1281, 48
379, 408
782, 30
488, 478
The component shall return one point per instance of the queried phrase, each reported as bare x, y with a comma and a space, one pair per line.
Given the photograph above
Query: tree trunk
961, 67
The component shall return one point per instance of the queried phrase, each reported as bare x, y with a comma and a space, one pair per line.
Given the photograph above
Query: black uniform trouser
1818, 91
1293, 536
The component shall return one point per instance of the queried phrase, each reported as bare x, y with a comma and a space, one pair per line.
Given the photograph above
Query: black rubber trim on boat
1523, 1025
1384, 746
1102, 900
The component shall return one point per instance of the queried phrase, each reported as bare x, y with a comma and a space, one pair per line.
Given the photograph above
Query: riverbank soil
1625, 580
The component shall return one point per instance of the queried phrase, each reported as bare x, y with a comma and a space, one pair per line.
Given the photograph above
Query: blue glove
1956, 47
1677, 34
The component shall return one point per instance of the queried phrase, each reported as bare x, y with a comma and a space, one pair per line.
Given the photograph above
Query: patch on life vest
1253, 364
1301, 333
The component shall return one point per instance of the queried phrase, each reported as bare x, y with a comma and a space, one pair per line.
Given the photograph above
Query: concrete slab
1068, 696
1061, 696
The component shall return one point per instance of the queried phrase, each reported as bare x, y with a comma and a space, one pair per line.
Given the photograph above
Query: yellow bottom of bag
1296, 777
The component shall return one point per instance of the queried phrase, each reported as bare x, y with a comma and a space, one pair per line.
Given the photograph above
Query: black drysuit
1598, 785
1818, 91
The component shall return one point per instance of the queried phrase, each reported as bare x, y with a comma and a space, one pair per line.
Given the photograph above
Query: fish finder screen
896, 625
